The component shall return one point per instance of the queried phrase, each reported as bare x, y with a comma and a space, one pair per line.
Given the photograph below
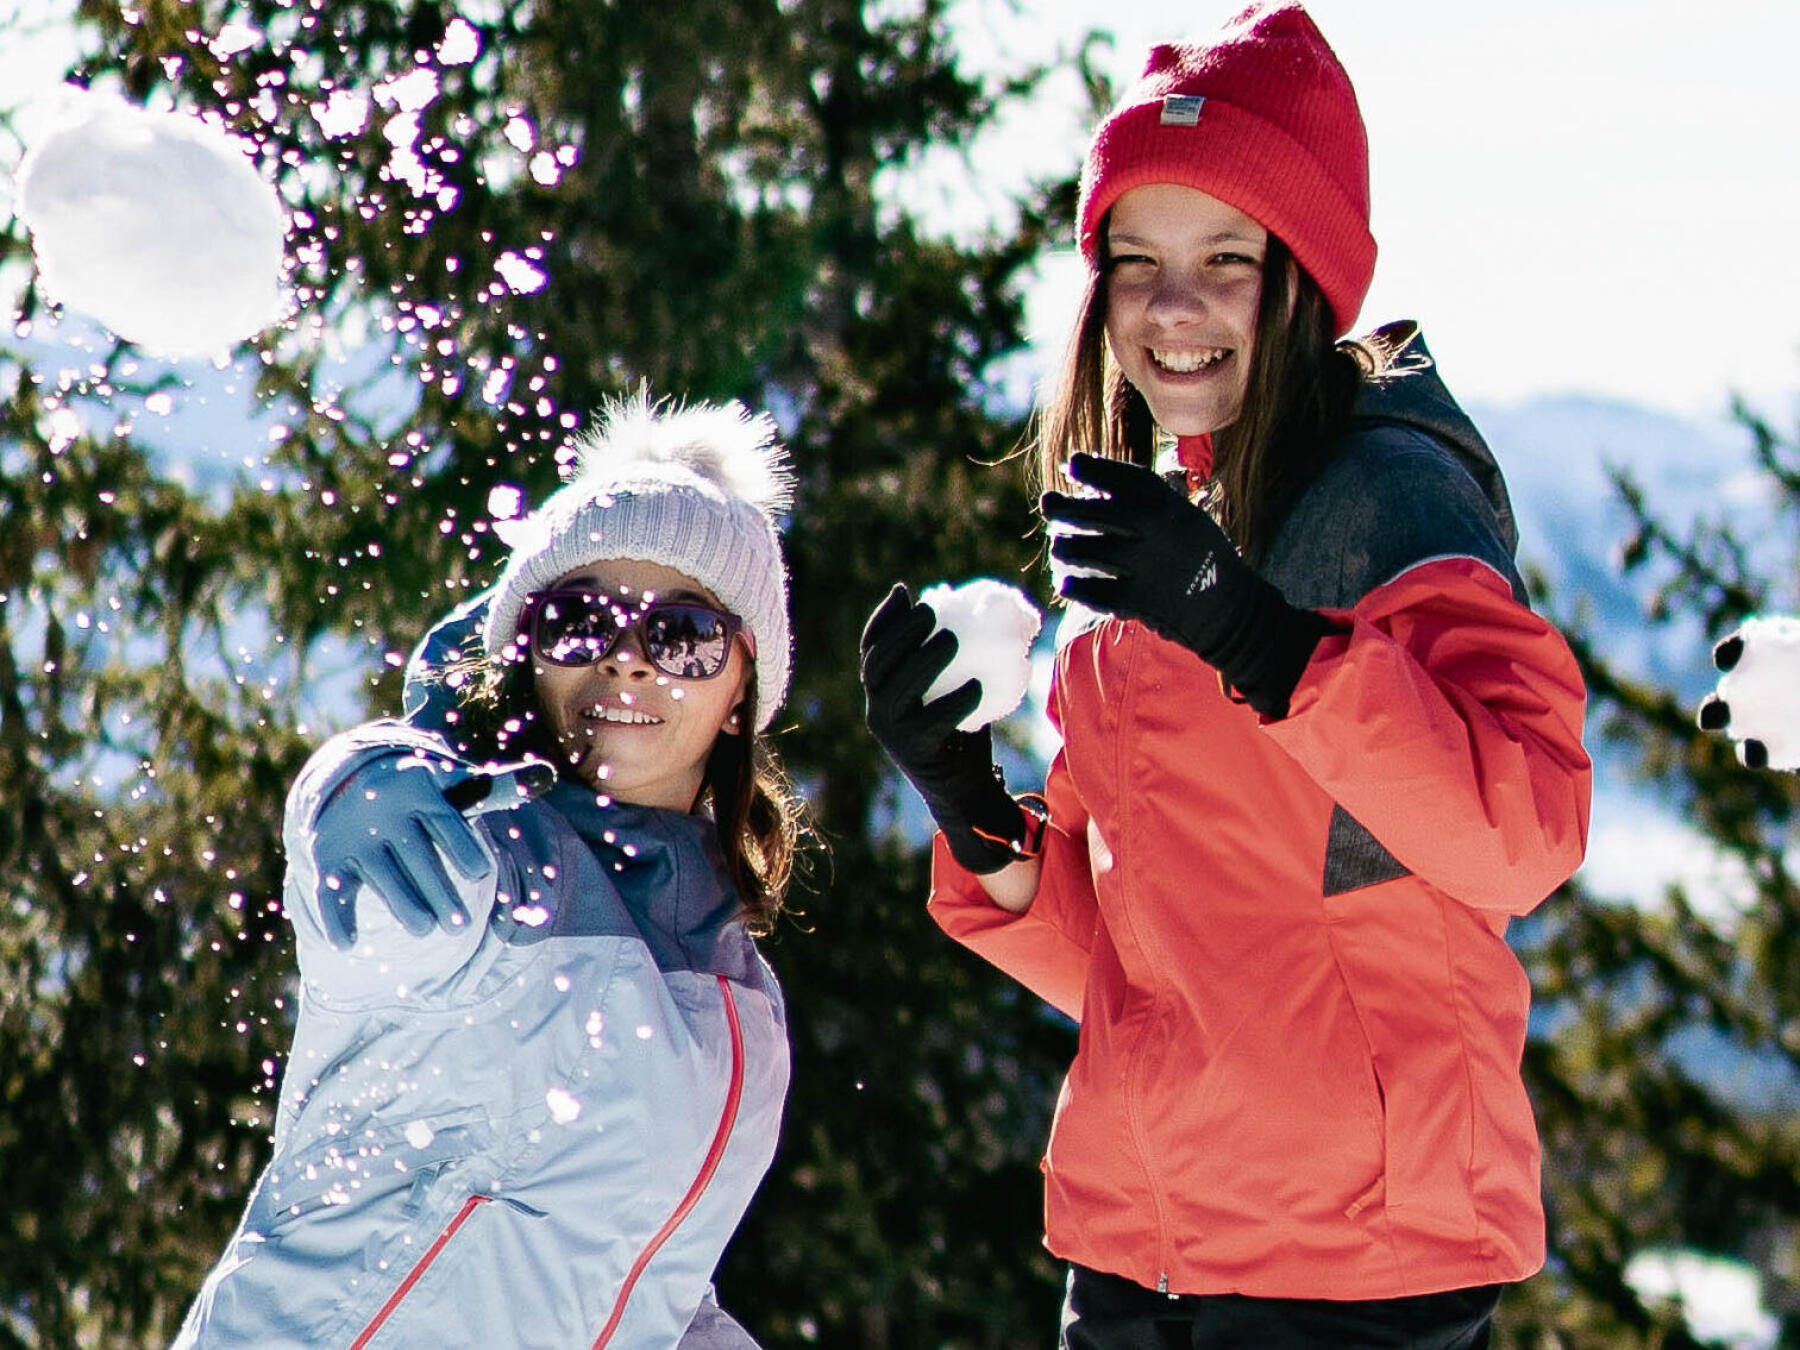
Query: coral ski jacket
1300, 1023
536, 1131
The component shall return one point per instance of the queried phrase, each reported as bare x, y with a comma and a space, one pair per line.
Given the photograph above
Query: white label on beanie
1181, 110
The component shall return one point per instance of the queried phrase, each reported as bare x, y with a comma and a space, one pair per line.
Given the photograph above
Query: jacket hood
1404, 389
668, 872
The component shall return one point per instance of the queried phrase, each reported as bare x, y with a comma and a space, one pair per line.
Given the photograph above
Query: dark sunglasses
682, 638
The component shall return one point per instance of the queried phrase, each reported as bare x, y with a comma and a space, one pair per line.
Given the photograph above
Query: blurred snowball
1763, 689
994, 625
157, 224
1721, 1299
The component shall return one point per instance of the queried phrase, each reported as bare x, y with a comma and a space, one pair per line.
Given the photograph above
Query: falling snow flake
343, 113
234, 38
409, 93
520, 276
461, 44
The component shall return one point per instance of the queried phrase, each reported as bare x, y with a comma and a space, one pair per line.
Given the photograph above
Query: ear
733, 722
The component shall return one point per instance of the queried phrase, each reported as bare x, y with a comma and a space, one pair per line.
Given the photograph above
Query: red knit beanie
1262, 117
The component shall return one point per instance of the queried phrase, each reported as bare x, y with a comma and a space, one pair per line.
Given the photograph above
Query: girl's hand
1757, 700
1152, 555
953, 770
392, 823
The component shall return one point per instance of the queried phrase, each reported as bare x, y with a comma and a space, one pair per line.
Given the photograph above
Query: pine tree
700, 187
1655, 1028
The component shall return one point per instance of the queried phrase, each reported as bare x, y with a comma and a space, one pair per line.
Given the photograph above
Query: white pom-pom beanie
696, 488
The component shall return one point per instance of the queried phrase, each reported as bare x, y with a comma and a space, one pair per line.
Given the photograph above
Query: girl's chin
1185, 417
587, 770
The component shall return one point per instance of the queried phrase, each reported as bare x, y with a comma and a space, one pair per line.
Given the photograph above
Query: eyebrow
1225, 236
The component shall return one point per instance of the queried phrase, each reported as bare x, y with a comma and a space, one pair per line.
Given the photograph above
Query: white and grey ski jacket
536, 1131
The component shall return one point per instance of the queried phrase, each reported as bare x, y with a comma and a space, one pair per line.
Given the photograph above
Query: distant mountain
1557, 453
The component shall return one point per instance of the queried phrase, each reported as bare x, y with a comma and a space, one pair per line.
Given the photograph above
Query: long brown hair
759, 817
1299, 393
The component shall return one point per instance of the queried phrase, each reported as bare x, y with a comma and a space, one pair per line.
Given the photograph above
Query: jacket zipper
417, 1273
1132, 658
714, 1155
708, 1167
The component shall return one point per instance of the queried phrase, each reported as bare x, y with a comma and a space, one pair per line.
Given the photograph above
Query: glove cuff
999, 833
984, 826
1265, 673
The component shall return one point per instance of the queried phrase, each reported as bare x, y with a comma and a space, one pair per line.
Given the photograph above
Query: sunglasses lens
575, 630
687, 640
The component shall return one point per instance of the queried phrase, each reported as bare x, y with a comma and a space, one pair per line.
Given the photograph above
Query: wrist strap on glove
1034, 819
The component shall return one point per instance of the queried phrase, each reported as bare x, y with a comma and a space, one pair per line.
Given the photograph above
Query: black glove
953, 770
1161, 559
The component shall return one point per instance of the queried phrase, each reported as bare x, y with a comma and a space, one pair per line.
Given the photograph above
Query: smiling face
1184, 284
623, 726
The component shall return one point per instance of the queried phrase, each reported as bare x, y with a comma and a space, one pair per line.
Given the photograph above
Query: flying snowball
995, 626
156, 224
1757, 701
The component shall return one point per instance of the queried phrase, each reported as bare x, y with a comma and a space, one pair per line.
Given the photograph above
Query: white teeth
1180, 363
630, 717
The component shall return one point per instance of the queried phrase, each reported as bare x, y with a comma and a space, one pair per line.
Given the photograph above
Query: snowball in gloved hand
1757, 700
994, 625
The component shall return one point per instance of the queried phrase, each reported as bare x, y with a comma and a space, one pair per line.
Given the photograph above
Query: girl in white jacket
539, 1066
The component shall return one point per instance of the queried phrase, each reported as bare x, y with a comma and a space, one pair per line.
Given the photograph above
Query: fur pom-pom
723, 444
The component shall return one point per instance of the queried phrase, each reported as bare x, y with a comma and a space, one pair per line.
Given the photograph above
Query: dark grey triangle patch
1354, 858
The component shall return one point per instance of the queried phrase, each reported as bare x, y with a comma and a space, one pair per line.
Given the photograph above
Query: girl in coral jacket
1316, 752
540, 1065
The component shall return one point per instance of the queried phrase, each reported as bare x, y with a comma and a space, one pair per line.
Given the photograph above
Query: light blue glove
426, 699
386, 825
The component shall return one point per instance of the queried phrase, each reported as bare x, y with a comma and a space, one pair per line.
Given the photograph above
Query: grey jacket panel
1412, 481
1387, 498
1408, 391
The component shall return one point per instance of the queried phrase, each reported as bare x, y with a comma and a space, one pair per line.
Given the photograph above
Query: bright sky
1594, 196
1599, 196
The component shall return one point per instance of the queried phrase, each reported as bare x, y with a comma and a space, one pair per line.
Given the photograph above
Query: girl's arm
1447, 720
1034, 919
388, 887
1015, 886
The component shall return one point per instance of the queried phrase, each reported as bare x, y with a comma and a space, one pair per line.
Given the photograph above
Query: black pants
1106, 1312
